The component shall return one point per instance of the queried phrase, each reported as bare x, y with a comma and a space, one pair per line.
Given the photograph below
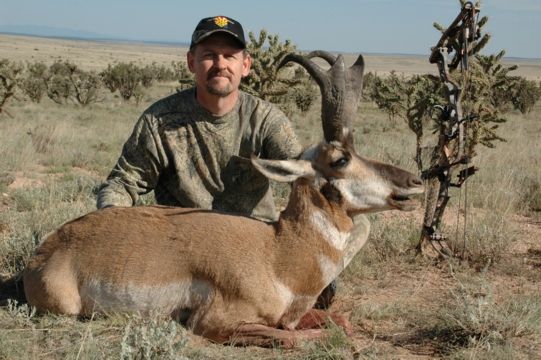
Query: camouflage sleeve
280, 141
138, 168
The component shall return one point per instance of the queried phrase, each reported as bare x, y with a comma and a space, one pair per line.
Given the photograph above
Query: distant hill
47, 31
65, 33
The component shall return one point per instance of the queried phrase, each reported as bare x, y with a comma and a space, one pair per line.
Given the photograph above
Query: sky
350, 26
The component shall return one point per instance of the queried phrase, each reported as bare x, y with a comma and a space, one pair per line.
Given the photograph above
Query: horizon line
109, 38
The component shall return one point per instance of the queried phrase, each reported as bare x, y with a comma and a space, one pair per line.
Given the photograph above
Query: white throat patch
330, 233
328, 268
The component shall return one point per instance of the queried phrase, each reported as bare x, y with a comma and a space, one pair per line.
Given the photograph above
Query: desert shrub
151, 73
34, 85
59, 87
304, 97
66, 81
86, 85
163, 74
139, 93
21, 315
152, 338
122, 77
369, 79
11, 76
304, 94
183, 75
408, 99
488, 239
264, 80
487, 76
526, 93
147, 76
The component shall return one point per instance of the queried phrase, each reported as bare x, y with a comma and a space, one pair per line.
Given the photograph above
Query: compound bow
453, 126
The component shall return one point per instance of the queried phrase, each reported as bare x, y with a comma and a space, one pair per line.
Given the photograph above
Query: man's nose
219, 62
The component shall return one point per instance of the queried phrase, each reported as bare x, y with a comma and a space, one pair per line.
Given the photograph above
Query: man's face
218, 63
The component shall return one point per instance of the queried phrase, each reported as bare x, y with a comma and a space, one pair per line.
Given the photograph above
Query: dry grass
89, 55
52, 158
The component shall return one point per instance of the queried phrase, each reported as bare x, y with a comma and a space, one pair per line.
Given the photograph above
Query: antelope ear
348, 139
284, 170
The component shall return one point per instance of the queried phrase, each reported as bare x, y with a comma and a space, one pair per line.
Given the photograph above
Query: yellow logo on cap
221, 21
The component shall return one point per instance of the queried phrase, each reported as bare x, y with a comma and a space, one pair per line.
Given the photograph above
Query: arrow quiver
449, 153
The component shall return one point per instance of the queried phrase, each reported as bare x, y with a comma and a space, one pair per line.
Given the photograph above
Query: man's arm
138, 168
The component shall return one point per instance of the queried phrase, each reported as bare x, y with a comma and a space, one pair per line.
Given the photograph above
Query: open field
94, 55
53, 158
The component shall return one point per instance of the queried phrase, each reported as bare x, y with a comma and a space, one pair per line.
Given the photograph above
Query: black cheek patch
331, 193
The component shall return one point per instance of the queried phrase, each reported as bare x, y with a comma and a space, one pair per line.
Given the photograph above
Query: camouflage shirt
191, 158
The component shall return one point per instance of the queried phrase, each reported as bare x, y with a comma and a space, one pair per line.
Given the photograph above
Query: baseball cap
212, 25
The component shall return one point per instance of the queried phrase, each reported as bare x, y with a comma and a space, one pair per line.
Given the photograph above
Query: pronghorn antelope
229, 277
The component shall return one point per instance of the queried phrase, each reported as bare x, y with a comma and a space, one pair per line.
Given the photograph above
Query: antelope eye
340, 162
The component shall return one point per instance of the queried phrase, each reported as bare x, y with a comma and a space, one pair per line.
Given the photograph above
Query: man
193, 148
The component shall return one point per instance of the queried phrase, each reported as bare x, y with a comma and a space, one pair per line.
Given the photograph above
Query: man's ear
190, 60
246, 65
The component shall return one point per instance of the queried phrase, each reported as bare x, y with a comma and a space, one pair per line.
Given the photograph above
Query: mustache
218, 73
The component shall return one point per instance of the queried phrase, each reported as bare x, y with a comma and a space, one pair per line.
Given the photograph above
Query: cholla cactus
11, 76
66, 81
34, 85
483, 88
482, 85
263, 80
86, 85
124, 77
183, 75
408, 99
525, 94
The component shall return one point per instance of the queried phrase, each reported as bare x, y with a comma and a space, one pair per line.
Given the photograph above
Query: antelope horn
340, 88
328, 57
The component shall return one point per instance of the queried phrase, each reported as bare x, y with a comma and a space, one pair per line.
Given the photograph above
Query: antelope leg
319, 318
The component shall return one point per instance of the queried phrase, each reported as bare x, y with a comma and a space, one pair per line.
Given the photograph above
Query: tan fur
232, 278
